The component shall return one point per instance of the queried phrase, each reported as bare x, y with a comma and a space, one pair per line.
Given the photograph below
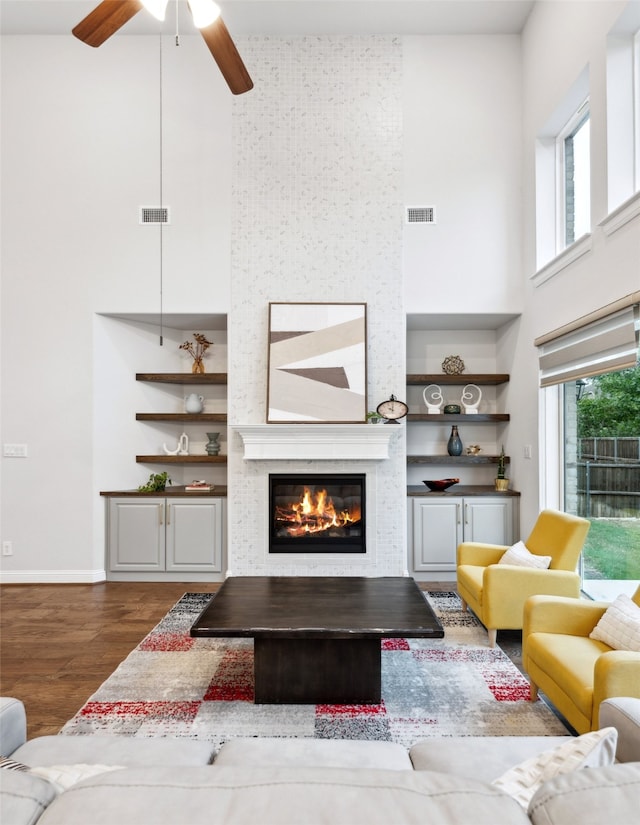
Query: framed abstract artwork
317, 363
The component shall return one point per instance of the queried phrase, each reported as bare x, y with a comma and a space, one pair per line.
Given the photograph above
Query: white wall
462, 154
80, 154
560, 41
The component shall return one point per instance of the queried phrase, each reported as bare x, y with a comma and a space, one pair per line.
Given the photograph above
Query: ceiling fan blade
105, 20
224, 52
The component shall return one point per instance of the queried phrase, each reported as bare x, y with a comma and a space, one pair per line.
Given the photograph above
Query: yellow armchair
575, 672
497, 592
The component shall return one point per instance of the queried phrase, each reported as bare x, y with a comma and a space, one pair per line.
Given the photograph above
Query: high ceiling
290, 17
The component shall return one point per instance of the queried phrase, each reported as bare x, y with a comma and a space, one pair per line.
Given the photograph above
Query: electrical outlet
7, 548
527, 451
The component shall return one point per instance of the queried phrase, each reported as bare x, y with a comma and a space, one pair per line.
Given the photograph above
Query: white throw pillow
63, 777
619, 626
520, 556
591, 750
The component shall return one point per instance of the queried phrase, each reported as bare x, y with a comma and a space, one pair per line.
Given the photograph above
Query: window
602, 477
574, 179
563, 182
623, 108
592, 390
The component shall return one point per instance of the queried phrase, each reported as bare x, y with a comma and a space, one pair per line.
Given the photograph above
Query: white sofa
296, 781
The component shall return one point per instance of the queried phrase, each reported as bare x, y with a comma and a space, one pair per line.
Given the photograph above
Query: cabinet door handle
458, 512
466, 514
160, 509
168, 513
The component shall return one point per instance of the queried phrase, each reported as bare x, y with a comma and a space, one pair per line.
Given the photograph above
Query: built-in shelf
455, 459
492, 379
181, 459
469, 418
183, 377
195, 417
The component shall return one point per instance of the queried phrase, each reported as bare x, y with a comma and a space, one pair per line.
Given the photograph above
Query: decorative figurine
453, 365
432, 398
468, 393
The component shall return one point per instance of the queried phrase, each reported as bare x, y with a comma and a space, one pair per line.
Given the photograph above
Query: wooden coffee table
318, 638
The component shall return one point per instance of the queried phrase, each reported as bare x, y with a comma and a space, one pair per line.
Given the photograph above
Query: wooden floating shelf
478, 418
492, 379
183, 377
195, 417
181, 459
455, 459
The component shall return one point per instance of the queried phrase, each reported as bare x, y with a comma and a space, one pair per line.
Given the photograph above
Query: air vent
154, 214
421, 214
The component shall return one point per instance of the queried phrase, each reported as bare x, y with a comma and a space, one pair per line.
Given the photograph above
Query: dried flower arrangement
197, 352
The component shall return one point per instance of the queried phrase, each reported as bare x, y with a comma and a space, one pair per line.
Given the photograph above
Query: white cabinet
437, 525
149, 535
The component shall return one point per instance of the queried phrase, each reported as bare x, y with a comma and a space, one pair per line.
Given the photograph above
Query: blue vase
454, 445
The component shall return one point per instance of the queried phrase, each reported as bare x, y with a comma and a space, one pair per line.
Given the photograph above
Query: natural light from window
602, 477
574, 176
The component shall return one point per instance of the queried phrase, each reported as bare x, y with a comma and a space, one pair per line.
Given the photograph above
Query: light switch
15, 450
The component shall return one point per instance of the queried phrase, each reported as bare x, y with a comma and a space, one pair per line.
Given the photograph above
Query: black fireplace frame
318, 544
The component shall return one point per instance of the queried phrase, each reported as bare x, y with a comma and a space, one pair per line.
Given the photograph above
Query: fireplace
317, 513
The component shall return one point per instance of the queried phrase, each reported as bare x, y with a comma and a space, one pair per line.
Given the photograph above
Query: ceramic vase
213, 447
454, 445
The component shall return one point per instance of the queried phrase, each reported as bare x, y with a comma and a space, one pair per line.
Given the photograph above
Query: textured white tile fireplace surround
317, 217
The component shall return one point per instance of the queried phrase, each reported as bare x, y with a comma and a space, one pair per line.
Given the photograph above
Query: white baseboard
52, 576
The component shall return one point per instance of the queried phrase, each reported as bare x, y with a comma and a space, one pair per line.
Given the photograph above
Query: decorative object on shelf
199, 487
440, 485
156, 484
469, 392
453, 365
502, 483
317, 363
194, 403
183, 444
432, 398
452, 409
374, 418
392, 410
181, 449
197, 352
213, 445
454, 445
473, 449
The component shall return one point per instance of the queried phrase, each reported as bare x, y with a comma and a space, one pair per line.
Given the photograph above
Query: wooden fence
608, 477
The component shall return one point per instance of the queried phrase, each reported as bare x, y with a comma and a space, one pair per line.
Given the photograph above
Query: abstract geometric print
175, 685
317, 363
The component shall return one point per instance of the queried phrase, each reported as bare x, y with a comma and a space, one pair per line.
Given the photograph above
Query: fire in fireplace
317, 513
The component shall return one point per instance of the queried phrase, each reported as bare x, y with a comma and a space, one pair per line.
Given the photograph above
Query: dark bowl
441, 484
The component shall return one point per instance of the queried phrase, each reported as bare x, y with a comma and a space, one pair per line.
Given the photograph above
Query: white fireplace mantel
286, 442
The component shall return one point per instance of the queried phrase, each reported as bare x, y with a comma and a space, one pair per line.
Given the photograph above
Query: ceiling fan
111, 15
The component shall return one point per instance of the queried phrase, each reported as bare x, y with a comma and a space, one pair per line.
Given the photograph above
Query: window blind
606, 345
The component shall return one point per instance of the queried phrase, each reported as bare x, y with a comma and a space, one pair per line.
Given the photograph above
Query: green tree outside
612, 407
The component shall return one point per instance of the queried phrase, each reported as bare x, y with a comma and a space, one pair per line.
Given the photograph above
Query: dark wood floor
58, 643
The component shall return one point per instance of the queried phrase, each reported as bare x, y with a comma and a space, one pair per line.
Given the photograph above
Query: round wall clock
392, 410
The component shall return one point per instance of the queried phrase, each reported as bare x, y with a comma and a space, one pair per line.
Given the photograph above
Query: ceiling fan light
204, 12
156, 7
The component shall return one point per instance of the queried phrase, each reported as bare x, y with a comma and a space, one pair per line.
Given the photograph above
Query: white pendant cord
161, 196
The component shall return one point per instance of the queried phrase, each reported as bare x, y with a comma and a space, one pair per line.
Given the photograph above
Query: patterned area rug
173, 685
